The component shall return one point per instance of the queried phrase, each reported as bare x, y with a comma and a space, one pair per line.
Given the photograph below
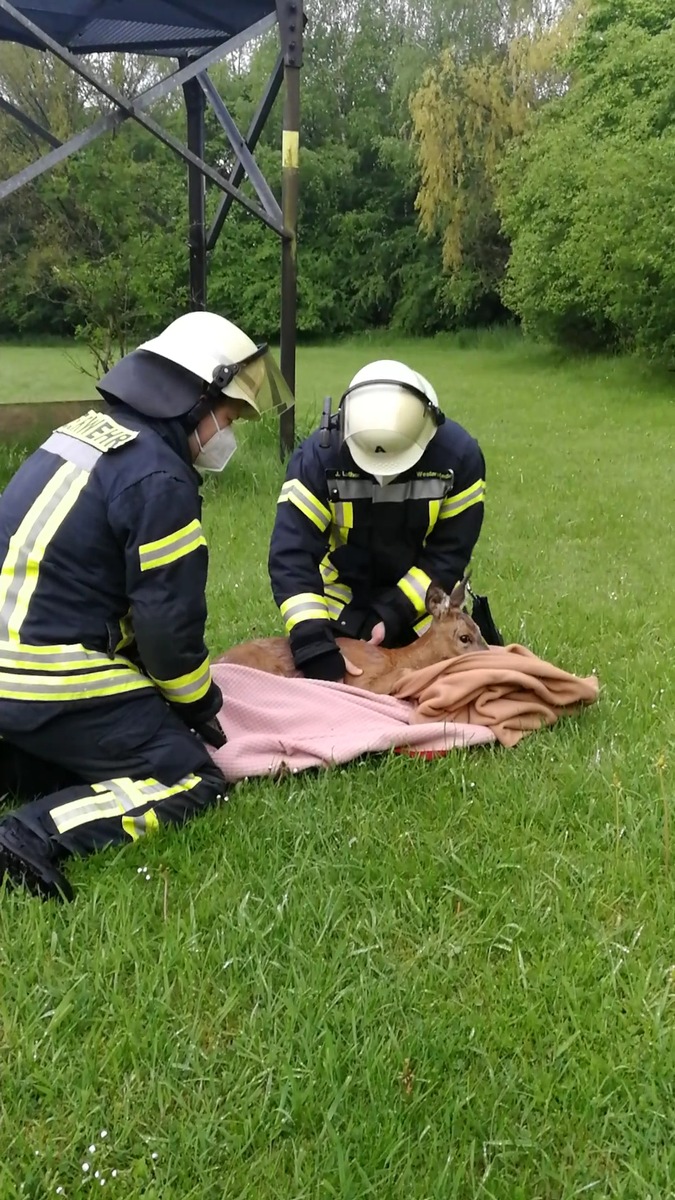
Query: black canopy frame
198, 35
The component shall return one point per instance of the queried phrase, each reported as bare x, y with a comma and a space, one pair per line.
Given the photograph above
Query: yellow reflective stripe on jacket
414, 585
338, 595
306, 502
306, 606
342, 514
434, 511
115, 797
21, 568
185, 689
328, 571
65, 658
422, 625
35, 686
452, 506
172, 547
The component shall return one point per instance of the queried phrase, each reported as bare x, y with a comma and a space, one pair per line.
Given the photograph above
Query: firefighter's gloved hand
212, 733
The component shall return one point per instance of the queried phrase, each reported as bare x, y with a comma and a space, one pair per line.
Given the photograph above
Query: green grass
40, 374
398, 979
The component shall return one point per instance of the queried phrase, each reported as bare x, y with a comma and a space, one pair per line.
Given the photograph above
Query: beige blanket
508, 689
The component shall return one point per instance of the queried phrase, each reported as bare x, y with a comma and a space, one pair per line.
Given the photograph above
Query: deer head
452, 627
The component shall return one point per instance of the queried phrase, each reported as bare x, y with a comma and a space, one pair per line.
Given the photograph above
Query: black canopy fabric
169, 27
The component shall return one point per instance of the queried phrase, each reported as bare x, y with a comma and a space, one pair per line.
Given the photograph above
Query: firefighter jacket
103, 567
346, 553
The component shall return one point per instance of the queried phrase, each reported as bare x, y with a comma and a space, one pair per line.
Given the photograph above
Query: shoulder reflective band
414, 586
306, 606
185, 689
20, 570
115, 797
452, 506
168, 549
308, 504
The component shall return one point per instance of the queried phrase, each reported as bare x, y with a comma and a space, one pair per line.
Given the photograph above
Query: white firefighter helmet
390, 414
208, 345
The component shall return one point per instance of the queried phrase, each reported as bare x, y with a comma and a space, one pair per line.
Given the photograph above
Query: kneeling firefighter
106, 694
387, 495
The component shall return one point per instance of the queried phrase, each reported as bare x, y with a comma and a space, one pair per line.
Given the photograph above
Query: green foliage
455, 169
466, 114
587, 198
101, 246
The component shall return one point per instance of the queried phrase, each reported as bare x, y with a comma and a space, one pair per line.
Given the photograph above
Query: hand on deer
378, 634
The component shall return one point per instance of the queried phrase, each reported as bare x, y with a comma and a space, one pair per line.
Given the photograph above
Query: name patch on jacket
98, 430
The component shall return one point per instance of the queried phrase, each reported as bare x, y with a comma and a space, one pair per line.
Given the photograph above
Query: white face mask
216, 454
383, 480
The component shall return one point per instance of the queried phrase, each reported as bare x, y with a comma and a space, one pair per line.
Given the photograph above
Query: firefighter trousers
95, 775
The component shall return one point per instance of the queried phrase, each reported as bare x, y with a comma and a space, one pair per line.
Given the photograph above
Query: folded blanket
274, 725
508, 690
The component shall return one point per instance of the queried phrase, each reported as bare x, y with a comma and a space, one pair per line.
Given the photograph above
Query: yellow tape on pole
290, 149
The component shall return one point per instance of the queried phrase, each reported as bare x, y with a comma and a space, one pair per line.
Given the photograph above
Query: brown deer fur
452, 632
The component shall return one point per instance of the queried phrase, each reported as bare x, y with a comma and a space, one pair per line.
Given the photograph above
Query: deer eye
464, 638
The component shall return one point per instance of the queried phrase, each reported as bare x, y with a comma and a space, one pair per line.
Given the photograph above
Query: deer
452, 632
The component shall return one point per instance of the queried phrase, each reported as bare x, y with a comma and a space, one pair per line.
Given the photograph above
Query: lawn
398, 980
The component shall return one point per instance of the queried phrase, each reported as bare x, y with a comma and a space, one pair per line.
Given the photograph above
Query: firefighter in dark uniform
385, 497
106, 694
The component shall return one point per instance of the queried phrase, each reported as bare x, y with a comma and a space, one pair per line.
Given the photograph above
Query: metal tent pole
194, 105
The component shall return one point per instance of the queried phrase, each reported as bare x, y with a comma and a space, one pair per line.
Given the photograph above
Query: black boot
24, 862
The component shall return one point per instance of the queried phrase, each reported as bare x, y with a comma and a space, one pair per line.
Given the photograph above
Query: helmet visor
257, 380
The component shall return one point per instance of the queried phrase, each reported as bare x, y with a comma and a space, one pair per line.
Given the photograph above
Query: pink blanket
275, 725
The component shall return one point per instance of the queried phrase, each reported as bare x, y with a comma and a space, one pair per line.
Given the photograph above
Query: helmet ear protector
335, 423
223, 375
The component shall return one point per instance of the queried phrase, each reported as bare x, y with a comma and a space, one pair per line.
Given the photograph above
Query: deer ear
458, 594
437, 601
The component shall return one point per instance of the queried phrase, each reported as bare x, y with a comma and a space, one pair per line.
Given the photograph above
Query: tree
468, 111
587, 197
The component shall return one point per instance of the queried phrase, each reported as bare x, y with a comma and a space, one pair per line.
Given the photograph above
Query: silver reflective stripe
28, 546
127, 802
109, 803
62, 656
392, 493
68, 816
414, 489
301, 496
339, 591
351, 489
464, 500
41, 686
159, 790
72, 450
172, 549
339, 514
312, 603
195, 682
